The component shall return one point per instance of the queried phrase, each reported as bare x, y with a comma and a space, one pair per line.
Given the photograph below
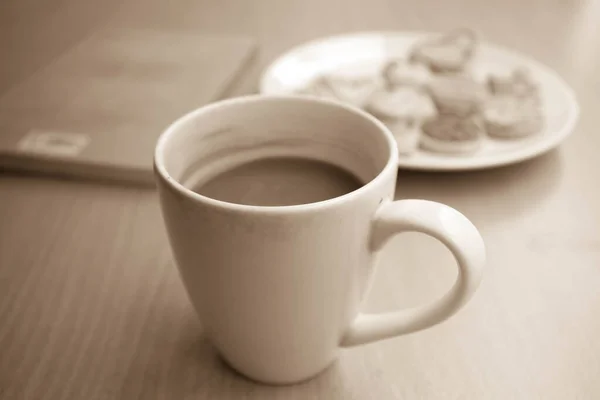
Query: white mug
279, 289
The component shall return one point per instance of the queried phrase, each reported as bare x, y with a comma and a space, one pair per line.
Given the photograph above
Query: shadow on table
209, 377
489, 195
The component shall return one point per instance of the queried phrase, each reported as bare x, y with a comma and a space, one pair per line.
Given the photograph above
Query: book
97, 110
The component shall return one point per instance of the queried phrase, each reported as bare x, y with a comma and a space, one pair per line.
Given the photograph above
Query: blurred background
564, 31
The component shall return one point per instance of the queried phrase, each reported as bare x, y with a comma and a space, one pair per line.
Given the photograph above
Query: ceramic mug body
278, 289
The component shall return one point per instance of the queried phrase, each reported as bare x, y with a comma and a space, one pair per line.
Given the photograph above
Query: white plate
365, 53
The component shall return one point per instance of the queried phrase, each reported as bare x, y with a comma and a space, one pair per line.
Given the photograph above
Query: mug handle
457, 233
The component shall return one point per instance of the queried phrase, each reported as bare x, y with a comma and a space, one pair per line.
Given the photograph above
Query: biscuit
464, 39
518, 84
529, 125
354, 91
403, 73
403, 102
448, 53
457, 95
452, 134
508, 117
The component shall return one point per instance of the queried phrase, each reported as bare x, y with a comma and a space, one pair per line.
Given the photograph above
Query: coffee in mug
280, 182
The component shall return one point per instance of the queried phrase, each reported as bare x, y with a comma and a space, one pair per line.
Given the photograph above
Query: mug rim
161, 171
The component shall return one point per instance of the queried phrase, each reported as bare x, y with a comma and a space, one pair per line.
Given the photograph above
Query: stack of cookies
435, 68
430, 99
458, 127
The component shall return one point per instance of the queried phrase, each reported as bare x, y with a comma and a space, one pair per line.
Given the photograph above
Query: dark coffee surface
280, 182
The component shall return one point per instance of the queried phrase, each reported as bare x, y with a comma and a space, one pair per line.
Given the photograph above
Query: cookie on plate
465, 39
402, 102
519, 84
447, 53
452, 134
354, 91
457, 95
508, 117
405, 73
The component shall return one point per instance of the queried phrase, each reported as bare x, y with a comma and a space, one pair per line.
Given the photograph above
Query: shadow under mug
279, 289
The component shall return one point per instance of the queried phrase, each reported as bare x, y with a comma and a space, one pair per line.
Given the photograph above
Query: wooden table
91, 306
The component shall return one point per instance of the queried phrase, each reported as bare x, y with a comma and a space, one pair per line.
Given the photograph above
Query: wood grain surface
91, 306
